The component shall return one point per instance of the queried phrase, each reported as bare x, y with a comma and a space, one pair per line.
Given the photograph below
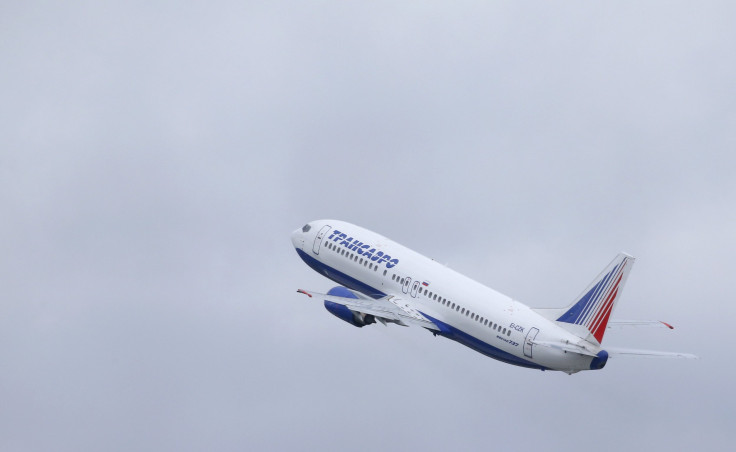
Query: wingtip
304, 292
667, 325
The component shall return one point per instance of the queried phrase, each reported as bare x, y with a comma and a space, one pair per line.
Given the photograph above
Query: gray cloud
156, 158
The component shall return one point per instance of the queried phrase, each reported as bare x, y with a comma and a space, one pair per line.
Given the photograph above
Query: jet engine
342, 312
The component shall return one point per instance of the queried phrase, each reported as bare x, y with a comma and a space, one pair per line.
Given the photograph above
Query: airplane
383, 281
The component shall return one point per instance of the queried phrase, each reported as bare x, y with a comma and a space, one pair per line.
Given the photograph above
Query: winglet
304, 292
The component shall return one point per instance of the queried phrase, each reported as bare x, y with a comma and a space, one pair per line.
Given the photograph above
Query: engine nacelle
342, 312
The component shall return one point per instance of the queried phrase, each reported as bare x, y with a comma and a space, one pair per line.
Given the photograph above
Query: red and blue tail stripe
593, 309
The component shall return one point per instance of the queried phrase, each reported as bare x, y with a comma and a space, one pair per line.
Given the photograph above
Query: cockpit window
306, 228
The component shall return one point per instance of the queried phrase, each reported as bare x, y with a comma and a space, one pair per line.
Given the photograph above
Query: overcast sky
156, 156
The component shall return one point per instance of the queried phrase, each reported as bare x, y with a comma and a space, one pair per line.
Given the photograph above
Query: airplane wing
639, 323
647, 353
389, 308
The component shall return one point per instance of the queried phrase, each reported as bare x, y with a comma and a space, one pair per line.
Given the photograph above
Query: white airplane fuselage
463, 310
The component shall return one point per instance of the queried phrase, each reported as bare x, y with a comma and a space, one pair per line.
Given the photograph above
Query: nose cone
297, 239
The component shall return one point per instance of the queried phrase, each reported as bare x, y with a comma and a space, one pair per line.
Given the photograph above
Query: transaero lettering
363, 249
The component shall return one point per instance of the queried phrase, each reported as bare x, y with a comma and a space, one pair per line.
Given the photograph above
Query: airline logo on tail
594, 308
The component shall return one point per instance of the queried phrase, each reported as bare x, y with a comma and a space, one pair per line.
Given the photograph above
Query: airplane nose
297, 239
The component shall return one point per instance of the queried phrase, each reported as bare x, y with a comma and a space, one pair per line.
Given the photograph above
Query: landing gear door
318, 240
528, 345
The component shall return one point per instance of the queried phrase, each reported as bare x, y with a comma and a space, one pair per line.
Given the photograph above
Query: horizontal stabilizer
613, 352
639, 323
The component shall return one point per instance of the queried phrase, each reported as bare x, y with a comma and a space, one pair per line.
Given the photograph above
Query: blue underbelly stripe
478, 345
446, 330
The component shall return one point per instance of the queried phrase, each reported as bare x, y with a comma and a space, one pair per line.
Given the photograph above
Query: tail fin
588, 315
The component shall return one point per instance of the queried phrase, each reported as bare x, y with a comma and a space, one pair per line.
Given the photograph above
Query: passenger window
384, 272
463, 311
509, 333
435, 296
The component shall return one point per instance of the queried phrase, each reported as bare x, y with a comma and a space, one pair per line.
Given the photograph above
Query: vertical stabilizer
594, 306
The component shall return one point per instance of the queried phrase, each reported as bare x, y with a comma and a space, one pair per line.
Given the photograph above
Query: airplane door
318, 240
407, 282
414, 288
528, 341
